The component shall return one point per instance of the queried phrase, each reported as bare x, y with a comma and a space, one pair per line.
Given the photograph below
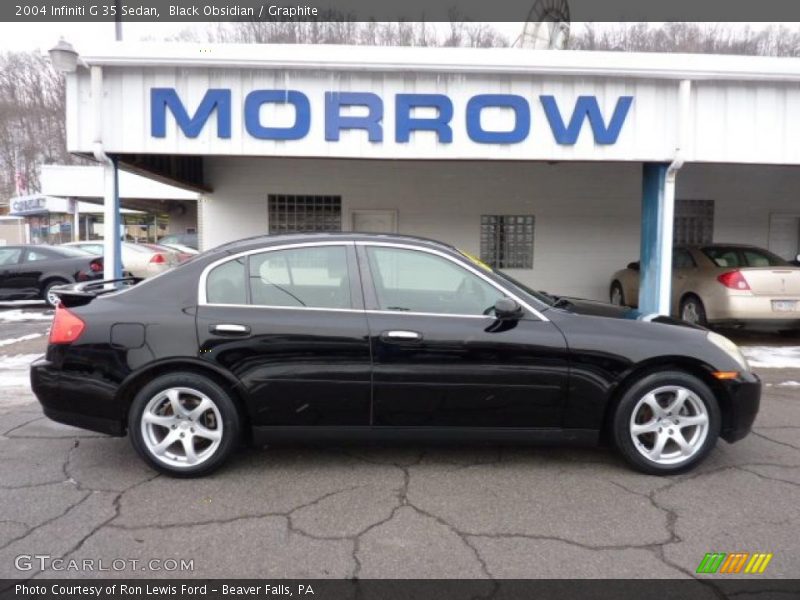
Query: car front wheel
666, 423
184, 424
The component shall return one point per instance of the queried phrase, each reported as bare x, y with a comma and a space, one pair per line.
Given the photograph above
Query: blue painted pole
656, 240
117, 223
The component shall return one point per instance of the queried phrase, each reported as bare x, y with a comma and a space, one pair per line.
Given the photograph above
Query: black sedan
31, 272
334, 336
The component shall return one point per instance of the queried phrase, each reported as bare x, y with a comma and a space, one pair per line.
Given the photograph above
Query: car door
35, 261
440, 361
289, 322
9, 267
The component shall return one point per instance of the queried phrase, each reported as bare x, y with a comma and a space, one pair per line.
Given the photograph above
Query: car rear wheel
617, 296
693, 311
666, 423
47, 293
184, 424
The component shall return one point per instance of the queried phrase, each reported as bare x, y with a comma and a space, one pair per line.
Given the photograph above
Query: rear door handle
401, 335
229, 329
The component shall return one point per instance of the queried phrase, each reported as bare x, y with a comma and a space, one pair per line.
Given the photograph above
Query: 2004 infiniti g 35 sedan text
332, 336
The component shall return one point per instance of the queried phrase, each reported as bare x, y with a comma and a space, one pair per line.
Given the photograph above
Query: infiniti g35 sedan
379, 337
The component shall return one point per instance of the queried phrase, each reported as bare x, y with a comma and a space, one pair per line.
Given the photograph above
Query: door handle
229, 329
399, 335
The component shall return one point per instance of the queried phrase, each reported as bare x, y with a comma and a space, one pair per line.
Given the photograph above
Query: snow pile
24, 338
772, 357
14, 370
789, 384
17, 315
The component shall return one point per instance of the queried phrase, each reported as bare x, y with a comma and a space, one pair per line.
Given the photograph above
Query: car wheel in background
616, 295
666, 423
47, 293
693, 311
184, 424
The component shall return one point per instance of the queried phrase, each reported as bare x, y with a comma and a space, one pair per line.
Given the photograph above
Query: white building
557, 166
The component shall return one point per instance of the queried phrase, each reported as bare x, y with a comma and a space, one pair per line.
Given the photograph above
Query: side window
314, 277
415, 281
226, 283
9, 256
682, 259
35, 255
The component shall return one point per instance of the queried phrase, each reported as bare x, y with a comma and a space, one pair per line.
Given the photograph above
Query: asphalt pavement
369, 511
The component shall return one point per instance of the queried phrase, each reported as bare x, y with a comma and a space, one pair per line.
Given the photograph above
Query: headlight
729, 348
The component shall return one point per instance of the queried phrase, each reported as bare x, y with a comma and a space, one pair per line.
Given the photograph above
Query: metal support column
658, 211
111, 226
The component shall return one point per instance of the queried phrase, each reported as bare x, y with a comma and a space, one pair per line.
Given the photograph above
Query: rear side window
9, 256
36, 255
314, 277
226, 283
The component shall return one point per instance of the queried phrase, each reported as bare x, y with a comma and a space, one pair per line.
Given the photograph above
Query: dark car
31, 272
333, 336
184, 239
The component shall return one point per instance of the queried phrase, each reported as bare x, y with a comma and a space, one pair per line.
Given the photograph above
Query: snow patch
14, 370
24, 338
772, 357
18, 315
788, 384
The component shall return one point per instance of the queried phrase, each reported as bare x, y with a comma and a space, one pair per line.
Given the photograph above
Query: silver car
725, 285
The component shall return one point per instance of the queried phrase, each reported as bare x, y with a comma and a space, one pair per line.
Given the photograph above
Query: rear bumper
73, 400
745, 399
747, 309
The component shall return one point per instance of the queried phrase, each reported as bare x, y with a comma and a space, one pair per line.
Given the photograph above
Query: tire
692, 307
616, 295
212, 434
47, 295
683, 444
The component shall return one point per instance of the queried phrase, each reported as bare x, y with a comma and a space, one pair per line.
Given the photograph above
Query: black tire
623, 439
228, 416
46, 291
616, 288
691, 302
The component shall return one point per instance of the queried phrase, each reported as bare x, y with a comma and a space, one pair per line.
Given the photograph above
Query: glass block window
694, 222
299, 214
507, 241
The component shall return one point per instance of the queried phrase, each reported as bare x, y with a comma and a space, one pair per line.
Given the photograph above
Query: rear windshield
69, 251
741, 256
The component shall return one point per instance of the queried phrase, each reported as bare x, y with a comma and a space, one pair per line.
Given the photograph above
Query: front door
289, 324
441, 359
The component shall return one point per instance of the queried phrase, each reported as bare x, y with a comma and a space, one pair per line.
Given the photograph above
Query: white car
138, 259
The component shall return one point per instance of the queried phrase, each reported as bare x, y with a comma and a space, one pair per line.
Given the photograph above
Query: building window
297, 214
507, 241
694, 222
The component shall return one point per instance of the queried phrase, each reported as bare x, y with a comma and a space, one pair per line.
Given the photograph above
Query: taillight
734, 280
158, 259
67, 327
96, 266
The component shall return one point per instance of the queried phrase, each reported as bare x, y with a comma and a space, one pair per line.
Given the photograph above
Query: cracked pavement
400, 511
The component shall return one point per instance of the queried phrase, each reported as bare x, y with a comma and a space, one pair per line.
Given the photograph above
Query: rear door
441, 359
289, 322
9, 265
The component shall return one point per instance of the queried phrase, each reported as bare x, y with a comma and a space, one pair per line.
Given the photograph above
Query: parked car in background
725, 285
186, 239
31, 272
139, 260
178, 255
185, 252
377, 337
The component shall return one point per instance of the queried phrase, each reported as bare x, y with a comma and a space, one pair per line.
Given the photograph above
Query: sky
42, 36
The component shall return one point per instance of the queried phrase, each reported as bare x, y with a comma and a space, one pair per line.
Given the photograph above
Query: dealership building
558, 166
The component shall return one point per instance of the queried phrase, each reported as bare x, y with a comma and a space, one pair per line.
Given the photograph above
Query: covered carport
438, 137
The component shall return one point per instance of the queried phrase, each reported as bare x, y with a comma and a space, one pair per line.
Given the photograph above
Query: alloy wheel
669, 425
181, 427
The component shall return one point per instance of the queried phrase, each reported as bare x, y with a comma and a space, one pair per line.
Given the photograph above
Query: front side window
682, 259
313, 277
414, 281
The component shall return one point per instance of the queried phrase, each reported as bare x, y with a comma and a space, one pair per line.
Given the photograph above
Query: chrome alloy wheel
181, 427
52, 298
669, 425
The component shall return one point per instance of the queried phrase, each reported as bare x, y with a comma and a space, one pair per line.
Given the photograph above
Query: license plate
784, 306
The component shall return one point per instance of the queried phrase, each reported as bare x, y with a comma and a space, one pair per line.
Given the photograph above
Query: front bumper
744, 394
74, 399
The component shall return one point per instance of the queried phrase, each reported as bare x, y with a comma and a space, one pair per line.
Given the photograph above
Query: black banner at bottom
394, 589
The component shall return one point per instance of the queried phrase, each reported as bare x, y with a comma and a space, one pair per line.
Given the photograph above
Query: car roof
345, 236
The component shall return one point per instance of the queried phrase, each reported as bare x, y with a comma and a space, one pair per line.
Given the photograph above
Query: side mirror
507, 309
634, 266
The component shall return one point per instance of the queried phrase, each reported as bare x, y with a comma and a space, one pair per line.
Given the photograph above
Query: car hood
595, 308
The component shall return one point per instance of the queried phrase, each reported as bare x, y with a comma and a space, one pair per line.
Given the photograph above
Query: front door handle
400, 335
229, 329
